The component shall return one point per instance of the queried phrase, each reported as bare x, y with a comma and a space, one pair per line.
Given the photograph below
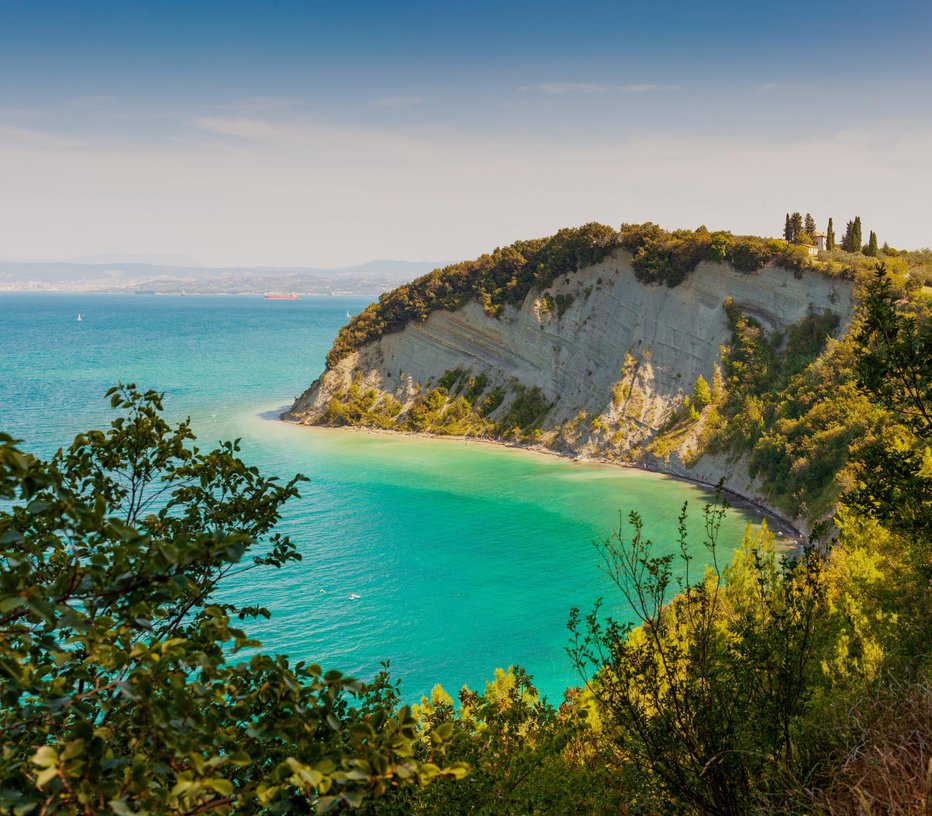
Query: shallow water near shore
460, 557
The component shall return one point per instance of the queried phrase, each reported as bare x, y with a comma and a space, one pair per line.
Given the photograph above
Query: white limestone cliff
619, 359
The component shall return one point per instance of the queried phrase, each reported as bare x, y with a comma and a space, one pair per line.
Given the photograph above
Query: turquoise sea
466, 557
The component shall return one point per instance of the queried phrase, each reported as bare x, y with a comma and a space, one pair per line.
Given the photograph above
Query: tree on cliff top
117, 689
851, 242
809, 226
796, 225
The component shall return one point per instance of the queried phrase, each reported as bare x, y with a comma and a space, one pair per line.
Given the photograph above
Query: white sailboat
79, 317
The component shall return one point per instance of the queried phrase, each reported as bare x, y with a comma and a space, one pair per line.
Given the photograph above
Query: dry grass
888, 772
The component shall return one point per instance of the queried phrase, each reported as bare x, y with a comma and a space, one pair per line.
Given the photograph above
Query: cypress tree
810, 225
787, 229
872, 245
856, 235
796, 223
847, 243
830, 236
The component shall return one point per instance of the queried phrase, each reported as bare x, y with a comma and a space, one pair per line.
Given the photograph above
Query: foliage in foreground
735, 695
525, 755
760, 687
126, 687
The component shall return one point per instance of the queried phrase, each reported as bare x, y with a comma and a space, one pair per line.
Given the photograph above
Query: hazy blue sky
328, 133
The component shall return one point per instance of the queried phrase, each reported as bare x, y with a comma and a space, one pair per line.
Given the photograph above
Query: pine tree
872, 245
702, 396
796, 223
830, 236
788, 229
810, 225
848, 242
718, 383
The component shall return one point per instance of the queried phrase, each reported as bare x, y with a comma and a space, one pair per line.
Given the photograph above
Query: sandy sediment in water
789, 535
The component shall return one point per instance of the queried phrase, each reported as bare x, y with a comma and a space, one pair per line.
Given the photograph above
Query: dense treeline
507, 275
661, 256
503, 277
791, 403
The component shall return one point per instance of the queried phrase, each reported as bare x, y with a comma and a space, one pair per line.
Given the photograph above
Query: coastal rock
616, 359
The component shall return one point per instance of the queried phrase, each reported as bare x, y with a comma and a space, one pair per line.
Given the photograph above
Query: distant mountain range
370, 278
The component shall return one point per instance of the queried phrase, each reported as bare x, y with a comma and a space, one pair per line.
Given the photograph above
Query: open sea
465, 557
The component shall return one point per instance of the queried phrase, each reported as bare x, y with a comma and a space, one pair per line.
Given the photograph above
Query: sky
335, 132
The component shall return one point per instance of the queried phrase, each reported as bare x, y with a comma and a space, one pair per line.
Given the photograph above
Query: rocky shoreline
787, 529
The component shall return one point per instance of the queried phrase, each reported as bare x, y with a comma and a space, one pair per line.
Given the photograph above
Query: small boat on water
79, 317
278, 296
349, 316
353, 596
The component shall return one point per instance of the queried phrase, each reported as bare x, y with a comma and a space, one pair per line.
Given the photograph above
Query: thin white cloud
301, 138
242, 128
570, 88
648, 87
397, 102
93, 101
255, 105
255, 191
20, 114
17, 136
259, 131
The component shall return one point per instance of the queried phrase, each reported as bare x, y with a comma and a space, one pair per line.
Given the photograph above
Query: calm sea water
465, 557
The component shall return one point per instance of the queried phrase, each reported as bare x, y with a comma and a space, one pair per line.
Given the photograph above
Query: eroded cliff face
614, 358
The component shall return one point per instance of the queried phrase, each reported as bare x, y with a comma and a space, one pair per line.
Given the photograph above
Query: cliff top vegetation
508, 274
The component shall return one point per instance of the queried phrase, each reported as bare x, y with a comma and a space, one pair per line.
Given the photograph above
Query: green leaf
11, 602
45, 756
46, 776
444, 731
41, 607
925, 471
222, 786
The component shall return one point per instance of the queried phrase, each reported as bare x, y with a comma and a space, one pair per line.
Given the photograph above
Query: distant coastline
133, 277
373, 293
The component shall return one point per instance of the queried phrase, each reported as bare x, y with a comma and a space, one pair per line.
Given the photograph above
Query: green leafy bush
126, 685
